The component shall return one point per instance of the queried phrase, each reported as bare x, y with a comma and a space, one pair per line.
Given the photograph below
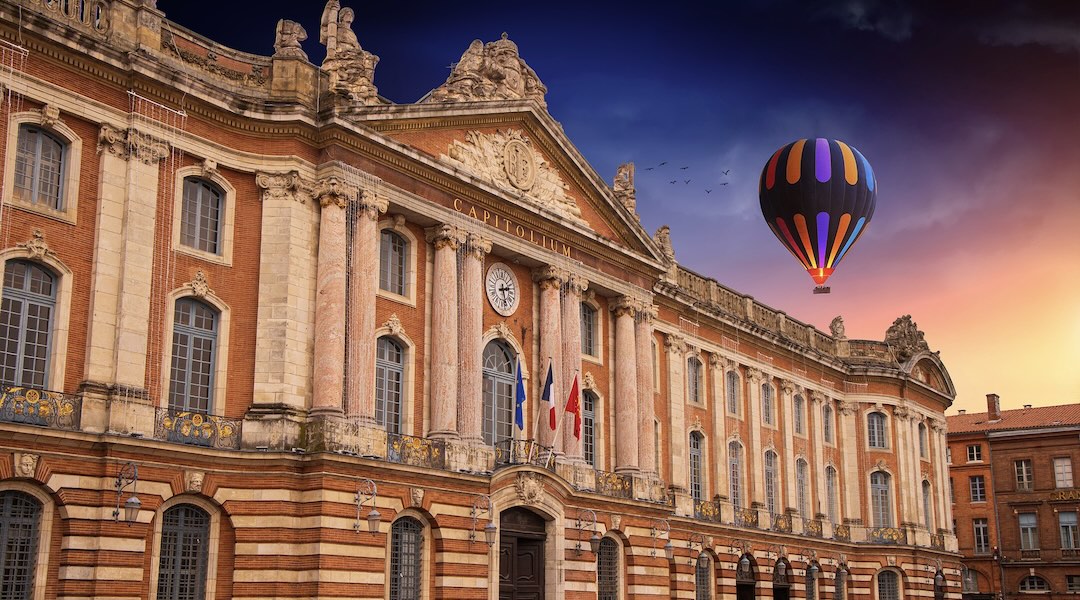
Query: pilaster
626, 398
643, 339
816, 404
444, 333
470, 339
675, 347
550, 280
330, 312
787, 401
363, 277
754, 458
851, 484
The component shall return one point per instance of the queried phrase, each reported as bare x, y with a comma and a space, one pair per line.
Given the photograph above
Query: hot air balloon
818, 196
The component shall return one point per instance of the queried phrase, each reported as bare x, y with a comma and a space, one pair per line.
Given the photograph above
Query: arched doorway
745, 579
521, 555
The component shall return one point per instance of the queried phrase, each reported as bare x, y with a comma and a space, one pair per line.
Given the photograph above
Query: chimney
993, 407
961, 412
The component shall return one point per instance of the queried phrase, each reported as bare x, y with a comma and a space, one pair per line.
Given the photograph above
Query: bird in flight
672, 182
708, 191
683, 168
724, 183
687, 182
649, 168
726, 172
662, 164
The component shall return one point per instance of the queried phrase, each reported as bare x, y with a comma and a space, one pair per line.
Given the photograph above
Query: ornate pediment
508, 160
905, 339
492, 71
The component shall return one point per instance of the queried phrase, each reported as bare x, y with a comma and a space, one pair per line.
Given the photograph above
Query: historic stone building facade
1015, 503
263, 333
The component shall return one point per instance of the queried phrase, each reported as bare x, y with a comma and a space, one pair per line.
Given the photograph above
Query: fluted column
643, 339
471, 340
753, 420
571, 354
363, 286
329, 360
444, 332
550, 280
626, 399
675, 347
816, 403
787, 405
851, 484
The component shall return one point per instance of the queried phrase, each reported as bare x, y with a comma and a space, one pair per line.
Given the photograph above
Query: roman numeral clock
502, 289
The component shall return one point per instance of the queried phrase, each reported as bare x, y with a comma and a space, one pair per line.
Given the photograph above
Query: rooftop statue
492, 71
351, 68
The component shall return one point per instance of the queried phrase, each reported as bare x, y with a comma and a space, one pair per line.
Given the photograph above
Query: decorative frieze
283, 186
129, 143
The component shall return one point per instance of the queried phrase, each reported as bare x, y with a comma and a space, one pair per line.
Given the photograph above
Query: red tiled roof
1019, 418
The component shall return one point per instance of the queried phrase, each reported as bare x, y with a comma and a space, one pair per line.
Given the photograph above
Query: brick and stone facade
692, 386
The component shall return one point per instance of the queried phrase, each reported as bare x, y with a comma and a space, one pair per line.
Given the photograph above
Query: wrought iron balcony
44, 408
197, 428
937, 541
746, 517
781, 523
415, 451
886, 535
1029, 554
615, 485
842, 533
512, 452
812, 528
707, 510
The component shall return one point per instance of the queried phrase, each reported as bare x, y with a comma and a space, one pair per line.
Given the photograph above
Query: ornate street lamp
482, 505
367, 490
128, 475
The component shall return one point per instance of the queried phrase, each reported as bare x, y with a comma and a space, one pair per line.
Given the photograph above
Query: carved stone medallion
616, 522
193, 481
519, 164
416, 495
26, 464
530, 487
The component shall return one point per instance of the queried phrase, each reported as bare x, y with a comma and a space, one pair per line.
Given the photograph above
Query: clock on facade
502, 289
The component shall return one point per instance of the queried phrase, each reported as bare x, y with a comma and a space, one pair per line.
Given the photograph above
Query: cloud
891, 19
1060, 36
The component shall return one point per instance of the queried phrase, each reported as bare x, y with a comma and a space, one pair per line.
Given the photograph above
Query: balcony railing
812, 528
937, 541
1070, 552
781, 523
415, 451
197, 428
707, 510
842, 533
1029, 554
615, 485
45, 408
523, 452
886, 535
746, 517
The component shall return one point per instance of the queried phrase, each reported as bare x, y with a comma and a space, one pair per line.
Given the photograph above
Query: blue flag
519, 400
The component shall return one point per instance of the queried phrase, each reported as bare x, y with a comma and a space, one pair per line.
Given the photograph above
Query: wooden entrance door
521, 555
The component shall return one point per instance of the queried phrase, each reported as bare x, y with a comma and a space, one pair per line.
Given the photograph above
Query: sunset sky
968, 111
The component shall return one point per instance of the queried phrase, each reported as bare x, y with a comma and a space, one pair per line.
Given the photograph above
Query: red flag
573, 405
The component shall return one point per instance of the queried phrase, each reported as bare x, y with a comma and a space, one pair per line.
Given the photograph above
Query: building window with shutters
185, 535
20, 523
26, 324
406, 559
607, 570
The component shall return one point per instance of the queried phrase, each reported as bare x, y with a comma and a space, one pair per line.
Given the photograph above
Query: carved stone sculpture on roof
492, 71
287, 40
350, 67
508, 159
623, 188
663, 239
905, 339
837, 328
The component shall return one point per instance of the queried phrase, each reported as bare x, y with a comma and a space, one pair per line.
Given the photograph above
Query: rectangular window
798, 414
948, 455
974, 453
1023, 474
1063, 472
588, 329
977, 483
1029, 531
1067, 522
1072, 583
952, 491
982, 536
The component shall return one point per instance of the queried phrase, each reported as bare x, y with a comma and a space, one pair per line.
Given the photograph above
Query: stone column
329, 359
550, 280
817, 401
720, 367
675, 349
571, 355
363, 287
470, 403
626, 399
902, 483
851, 484
754, 471
941, 475
444, 333
283, 333
787, 404
643, 337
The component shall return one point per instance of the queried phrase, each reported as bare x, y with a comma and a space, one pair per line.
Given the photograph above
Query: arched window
693, 380
498, 392
881, 499
732, 389
389, 383
703, 578
928, 515
924, 451
393, 262
588, 330
607, 570
888, 585
735, 473
200, 215
20, 519
767, 416
969, 580
1034, 583
39, 167
406, 558
802, 476
588, 426
194, 346
832, 495
827, 424
26, 324
799, 413
185, 534
771, 483
875, 430
696, 440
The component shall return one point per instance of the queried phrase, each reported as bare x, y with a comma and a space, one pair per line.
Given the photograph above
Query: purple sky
969, 113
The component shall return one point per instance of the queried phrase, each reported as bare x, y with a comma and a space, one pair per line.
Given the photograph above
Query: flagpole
562, 413
539, 412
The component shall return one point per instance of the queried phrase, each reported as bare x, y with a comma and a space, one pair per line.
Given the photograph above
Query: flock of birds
676, 181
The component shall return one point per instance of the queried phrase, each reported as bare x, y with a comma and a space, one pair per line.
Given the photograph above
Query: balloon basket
822, 289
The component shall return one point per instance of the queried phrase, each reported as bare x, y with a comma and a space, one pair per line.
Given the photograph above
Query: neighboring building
251, 309
1015, 503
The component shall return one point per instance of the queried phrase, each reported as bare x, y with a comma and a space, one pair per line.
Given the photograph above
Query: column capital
549, 276
848, 408
132, 143
371, 205
938, 425
903, 413
283, 186
445, 236
716, 362
576, 284
333, 191
788, 386
626, 305
477, 246
675, 343
817, 397
754, 375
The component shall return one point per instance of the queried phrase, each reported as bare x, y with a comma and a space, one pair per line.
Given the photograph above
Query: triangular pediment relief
508, 160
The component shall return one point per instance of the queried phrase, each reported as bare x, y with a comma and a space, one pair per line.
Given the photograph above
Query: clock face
502, 289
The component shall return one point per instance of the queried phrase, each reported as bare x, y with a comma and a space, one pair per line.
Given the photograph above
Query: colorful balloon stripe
841, 229
851, 171
870, 181
770, 171
854, 236
791, 244
822, 235
804, 235
822, 160
794, 162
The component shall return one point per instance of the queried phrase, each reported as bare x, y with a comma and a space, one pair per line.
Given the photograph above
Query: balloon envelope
817, 196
